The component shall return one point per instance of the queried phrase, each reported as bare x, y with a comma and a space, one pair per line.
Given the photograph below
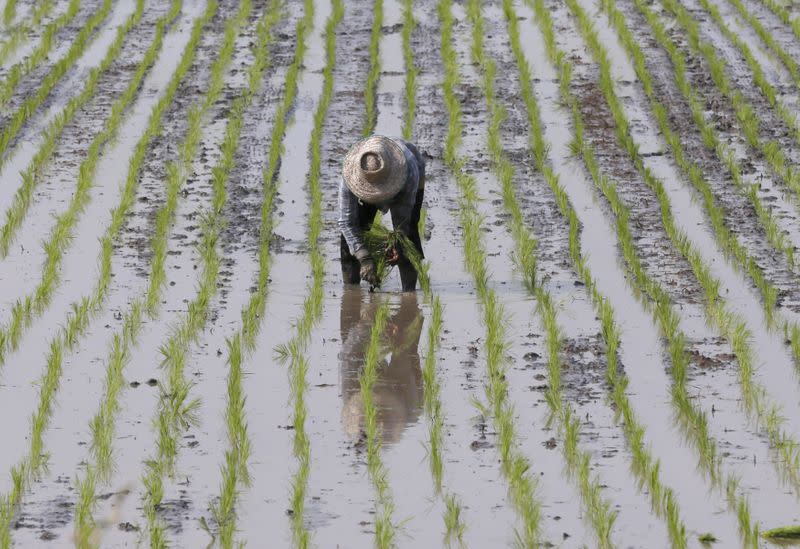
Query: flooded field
605, 347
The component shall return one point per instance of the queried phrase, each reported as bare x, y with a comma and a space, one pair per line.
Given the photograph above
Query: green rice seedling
384, 528
9, 11
514, 465
774, 235
410, 84
646, 289
729, 242
374, 74
294, 350
768, 90
745, 113
577, 460
783, 533
177, 409
733, 328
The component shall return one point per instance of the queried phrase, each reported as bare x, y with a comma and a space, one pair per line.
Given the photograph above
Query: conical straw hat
375, 169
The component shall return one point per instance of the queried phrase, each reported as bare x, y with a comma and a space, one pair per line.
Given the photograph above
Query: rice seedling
59, 69
36, 168
692, 420
31, 306
514, 465
242, 343
644, 465
598, 509
374, 74
9, 11
82, 310
783, 533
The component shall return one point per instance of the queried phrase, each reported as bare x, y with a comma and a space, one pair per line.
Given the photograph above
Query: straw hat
375, 169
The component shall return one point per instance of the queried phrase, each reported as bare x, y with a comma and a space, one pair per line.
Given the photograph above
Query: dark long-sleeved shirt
401, 206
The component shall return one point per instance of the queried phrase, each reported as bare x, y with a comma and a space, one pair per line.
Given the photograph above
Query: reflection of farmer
398, 391
387, 174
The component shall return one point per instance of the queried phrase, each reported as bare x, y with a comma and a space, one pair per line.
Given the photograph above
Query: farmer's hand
369, 271
392, 255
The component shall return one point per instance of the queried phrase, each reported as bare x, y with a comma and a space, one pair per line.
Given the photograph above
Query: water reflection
398, 391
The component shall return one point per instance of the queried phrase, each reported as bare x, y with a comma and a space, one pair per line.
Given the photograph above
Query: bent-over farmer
387, 174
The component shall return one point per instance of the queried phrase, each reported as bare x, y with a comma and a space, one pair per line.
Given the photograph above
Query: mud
340, 503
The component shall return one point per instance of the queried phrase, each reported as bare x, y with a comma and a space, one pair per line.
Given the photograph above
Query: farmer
387, 174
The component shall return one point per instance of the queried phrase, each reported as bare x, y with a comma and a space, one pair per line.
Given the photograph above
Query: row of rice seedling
374, 74
692, 420
514, 465
384, 505
765, 414
9, 11
385, 528
59, 69
431, 384
36, 168
26, 309
645, 466
77, 321
577, 461
294, 350
744, 110
177, 410
410, 83
242, 343
767, 89
18, 33
779, 9
103, 423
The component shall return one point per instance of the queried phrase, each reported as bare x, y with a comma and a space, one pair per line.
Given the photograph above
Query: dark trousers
366, 215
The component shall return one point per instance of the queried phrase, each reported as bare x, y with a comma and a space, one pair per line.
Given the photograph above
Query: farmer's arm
403, 205
348, 218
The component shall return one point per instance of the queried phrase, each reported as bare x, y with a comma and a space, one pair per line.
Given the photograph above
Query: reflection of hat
392, 415
375, 169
